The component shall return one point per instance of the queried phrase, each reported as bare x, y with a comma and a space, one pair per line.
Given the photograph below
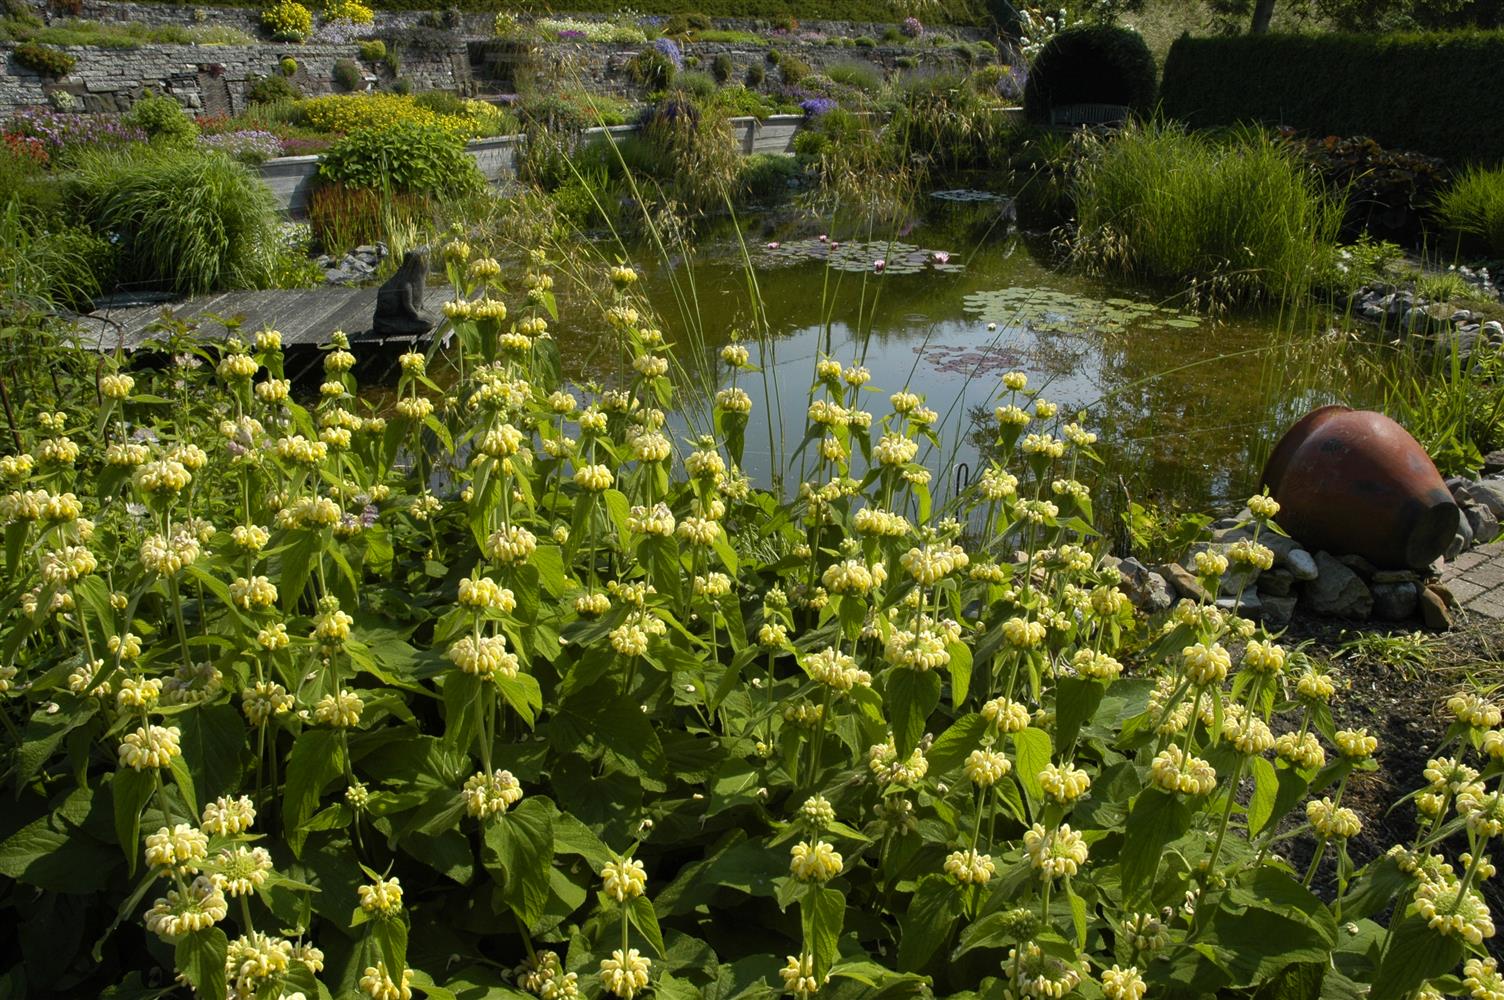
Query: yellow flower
814, 861
624, 879
1064, 783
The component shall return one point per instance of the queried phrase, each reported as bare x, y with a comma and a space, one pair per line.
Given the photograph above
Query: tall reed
1234, 217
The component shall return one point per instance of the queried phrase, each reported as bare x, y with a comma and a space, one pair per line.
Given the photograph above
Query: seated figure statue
399, 302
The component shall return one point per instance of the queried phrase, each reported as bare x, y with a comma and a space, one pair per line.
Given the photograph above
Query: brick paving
1476, 579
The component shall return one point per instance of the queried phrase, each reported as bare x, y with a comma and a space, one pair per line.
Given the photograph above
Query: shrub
861, 75
1091, 65
348, 10
1240, 217
792, 69
766, 177
287, 21
680, 25
162, 119
181, 218
892, 36
402, 86
865, 42
756, 75
288, 65
404, 157
907, 62
373, 51
270, 89
44, 59
348, 75
1435, 93
652, 70
722, 67
1472, 209
1388, 192
700, 86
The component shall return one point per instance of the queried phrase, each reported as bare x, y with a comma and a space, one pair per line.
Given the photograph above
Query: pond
1186, 405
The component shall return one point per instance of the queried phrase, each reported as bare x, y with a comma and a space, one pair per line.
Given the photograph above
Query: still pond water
1186, 405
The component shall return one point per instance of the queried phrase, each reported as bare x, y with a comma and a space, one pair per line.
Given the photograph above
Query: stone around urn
1276, 582
1182, 581
1277, 611
1301, 564
1433, 610
1484, 523
1337, 591
1486, 493
1394, 602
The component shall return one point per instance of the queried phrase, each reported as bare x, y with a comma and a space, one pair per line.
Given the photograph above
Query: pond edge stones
1322, 584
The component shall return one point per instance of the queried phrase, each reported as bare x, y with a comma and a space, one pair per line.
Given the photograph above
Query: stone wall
207, 79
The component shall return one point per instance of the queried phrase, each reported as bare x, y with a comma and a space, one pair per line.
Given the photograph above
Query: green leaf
213, 738
519, 852
200, 957
183, 778
1158, 817
1265, 789
960, 672
389, 935
645, 919
822, 912
131, 790
925, 927
910, 697
523, 694
1076, 701
1415, 954
317, 758
1032, 748
462, 709
955, 744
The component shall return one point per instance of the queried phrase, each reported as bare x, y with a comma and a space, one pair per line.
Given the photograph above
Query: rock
1359, 565
1301, 564
1493, 463
1394, 602
1147, 590
1276, 582
1247, 603
1494, 331
1183, 581
1461, 316
1277, 611
1486, 493
1433, 611
1225, 524
1483, 522
1337, 591
1395, 576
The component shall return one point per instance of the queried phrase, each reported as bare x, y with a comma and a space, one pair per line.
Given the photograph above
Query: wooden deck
304, 316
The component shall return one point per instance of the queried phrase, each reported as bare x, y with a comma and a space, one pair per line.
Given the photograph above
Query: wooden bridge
304, 316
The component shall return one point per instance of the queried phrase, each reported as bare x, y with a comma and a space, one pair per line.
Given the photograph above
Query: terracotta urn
1355, 482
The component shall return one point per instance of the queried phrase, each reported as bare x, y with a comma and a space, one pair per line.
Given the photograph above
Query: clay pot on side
1355, 482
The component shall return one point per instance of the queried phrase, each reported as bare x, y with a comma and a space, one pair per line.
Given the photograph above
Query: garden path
1476, 579
305, 316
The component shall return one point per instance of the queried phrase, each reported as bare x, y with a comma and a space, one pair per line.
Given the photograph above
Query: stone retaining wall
292, 178
209, 79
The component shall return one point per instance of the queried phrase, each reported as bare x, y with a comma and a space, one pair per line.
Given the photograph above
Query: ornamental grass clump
1471, 211
1235, 218
501, 685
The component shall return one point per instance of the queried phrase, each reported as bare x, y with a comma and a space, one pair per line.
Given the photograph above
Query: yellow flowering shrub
287, 21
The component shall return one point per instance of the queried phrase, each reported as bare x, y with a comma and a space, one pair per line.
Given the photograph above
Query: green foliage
792, 70
163, 120
862, 75
45, 266
651, 70
1093, 64
348, 75
1239, 218
272, 89
405, 157
683, 25
765, 177
288, 65
866, 42
756, 75
1434, 93
1157, 533
44, 59
948, 124
1472, 211
373, 51
721, 67
287, 21
1449, 398
699, 86
183, 219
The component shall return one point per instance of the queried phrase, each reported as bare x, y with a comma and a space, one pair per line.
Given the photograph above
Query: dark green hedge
1096, 64
1441, 94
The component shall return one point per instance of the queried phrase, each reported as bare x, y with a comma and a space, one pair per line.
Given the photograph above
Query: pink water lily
824, 238
774, 246
879, 266
940, 257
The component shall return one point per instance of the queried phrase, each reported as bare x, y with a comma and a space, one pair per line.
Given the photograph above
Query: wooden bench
1068, 117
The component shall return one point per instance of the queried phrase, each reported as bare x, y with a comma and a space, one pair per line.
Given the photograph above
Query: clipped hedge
1433, 93
1097, 64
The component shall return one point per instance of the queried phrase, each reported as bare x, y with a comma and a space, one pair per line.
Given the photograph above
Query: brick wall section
210, 78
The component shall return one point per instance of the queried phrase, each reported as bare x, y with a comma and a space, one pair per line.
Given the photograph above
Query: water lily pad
1048, 310
878, 257
966, 195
